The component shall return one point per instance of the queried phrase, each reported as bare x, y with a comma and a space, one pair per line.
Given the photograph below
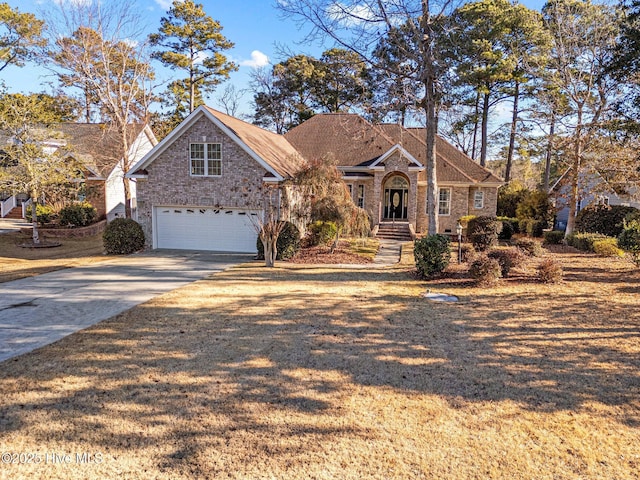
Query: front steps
15, 214
394, 231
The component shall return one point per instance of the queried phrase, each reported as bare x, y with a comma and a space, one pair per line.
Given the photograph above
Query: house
203, 186
97, 147
594, 188
384, 166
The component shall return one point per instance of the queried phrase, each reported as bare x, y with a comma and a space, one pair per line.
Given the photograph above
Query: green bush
607, 247
432, 254
550, 271
508, 258
629, 240
584, 241
537, 206
322, 233
529, 246
45, 214
483, 232
509, 227
554, 237
78, 214
123, 236
532, 227
485, 270
605, 219
509, 197
288, 243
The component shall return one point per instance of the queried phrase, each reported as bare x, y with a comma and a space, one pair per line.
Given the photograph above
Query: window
444, 201
350, 187
360, 196
478, 200
206, 159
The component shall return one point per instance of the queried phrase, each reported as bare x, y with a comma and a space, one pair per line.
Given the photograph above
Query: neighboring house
594, 189
96, 147
203, 186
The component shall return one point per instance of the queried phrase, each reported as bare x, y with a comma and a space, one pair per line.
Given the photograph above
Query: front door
395, 207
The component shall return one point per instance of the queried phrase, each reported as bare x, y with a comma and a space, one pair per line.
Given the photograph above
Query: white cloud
165, 4
351, 15
258, 59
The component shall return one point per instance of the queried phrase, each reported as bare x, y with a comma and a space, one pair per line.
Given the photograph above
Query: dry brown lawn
17, 262
303, 372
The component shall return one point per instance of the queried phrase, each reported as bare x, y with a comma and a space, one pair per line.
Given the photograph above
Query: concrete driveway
39, 310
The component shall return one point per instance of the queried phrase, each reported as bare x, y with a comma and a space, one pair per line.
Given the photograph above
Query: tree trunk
475, 127
547, 163
485, 128
270, 251
430, 110
125, 169
574, 194
34, 220
512, 135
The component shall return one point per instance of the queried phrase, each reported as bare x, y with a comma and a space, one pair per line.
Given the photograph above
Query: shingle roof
355, 142
271, 147
349, 138
96, 145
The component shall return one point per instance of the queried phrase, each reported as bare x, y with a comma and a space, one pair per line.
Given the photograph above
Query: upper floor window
206, 159
444, 201
478, 200
360, 196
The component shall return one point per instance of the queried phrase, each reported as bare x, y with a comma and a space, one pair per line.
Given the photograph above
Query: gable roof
94, 144
271, 147
272, 151
97, 146
354, 142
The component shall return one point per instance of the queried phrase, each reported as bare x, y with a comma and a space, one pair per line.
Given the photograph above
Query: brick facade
169, 181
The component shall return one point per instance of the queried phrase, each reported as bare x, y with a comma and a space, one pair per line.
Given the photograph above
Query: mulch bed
322, 255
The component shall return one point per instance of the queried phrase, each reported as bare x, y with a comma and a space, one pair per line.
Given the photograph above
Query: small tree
28, 166
328, 199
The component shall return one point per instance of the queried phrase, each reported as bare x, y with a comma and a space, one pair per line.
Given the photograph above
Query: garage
205, 228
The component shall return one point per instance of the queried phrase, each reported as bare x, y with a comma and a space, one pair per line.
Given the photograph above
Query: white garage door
205, 228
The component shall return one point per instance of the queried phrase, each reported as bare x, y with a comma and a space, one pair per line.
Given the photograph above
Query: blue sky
255, 26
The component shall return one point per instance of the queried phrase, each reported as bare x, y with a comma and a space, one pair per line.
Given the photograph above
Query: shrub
78, 214
322, 233
508, 258
550, 271
529, 246
288, 243
123, 236
44, 213
629, 240
509, 197
607, 247
537, 206
485, 270
464, 221
554, 237
432, 254
483, 232
507, 229
605, 219
584, 241
467, 251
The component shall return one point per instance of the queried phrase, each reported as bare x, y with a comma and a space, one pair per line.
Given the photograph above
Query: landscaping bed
17, 262
303, 372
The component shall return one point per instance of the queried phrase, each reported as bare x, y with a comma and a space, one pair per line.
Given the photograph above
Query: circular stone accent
42, 244
440, 297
